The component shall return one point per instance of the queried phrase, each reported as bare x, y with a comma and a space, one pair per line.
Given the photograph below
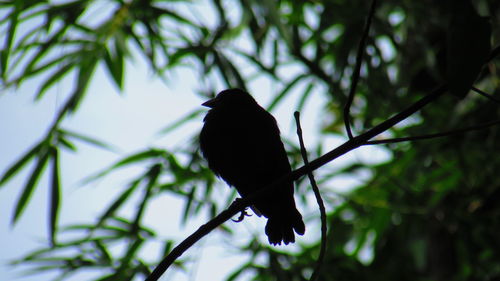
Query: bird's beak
209, 103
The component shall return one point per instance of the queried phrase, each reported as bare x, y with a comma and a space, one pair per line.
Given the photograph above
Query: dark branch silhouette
357, 68
319, 200
437, 135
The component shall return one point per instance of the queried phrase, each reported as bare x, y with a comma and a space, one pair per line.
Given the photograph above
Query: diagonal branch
357, 70
484, 94
317, 194
437, 135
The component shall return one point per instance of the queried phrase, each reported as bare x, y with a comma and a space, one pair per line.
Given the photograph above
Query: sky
130, 121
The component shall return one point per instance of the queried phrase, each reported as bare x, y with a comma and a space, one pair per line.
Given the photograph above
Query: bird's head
230, 98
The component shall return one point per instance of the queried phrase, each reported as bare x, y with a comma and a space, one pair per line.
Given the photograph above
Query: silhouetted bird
241, 142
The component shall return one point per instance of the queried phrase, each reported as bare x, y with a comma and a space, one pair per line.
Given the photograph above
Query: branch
317, 194
357, 69
438, 135
241, 204
484, 94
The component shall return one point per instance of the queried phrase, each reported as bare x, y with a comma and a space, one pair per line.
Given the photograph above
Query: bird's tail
280, 227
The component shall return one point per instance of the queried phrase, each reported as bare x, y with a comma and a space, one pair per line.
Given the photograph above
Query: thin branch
484, 94
357, 70
317, 194
241, 204
438, 135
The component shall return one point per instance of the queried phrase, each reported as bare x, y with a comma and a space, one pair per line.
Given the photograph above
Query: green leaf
85, 72
115, 67
88, 139
167, 247
117, 203
30, 185
190, 116
152, 176
42, 51
15, 168
55, 196
189, 203
132, 159
104, 251
57, 76
305, 95
285, 90
65, 143
5, 53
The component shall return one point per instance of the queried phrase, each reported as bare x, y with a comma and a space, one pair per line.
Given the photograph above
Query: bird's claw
243, 214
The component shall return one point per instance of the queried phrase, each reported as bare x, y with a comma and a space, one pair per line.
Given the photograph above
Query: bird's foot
243, 214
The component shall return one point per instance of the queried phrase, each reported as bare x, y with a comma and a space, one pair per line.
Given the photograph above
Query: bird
241, 142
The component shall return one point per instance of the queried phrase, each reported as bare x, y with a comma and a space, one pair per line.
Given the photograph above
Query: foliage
429, 214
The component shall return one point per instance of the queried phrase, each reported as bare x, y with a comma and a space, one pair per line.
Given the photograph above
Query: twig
317, 194
239, 205
484, 94
357, 70
437, 135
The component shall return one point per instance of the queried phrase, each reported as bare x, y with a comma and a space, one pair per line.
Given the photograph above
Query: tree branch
317, 194
357, 70
437, 135
484, 94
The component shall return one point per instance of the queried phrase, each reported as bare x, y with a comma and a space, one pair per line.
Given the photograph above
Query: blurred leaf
16, 167
129, 160
103, 250
115, 65
188, 205
5, 52
285, 91
305, 96
43, 156
181, 121
57, 76
88, 140
55, 195
65, 143
118, 202
85, 72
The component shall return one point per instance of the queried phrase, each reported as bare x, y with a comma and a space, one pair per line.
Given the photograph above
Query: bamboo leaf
190, 116
55, 196
58, 75
65, 143
30, 186
15, 168
84, 74
132, 159
114, 65
5, 53
305, 95
89, 140
285, 90
118, 203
